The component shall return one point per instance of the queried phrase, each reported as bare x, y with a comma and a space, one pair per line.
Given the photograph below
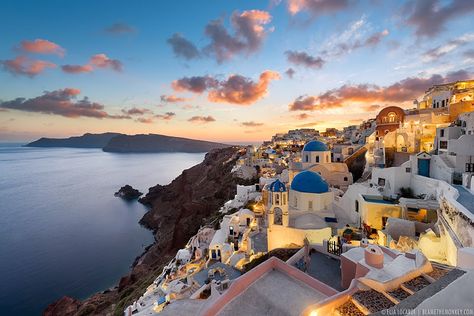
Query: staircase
446, 161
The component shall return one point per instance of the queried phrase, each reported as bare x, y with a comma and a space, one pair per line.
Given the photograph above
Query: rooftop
274, 293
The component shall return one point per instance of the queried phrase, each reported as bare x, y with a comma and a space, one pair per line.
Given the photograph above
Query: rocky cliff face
176, 212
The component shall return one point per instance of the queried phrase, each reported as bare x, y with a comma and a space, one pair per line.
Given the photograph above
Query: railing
334, 247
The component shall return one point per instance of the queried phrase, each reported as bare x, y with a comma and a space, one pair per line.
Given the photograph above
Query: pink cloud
23, 65
41, 46
77, 69
103, 61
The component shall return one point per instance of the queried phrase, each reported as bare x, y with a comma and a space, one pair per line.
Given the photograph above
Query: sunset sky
221, 70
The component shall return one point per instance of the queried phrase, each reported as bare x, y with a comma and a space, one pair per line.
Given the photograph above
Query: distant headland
121, 143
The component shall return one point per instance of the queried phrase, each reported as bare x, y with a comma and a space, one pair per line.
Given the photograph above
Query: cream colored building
316, 157
301, 212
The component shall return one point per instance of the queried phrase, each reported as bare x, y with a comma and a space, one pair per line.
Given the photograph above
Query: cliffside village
378, 217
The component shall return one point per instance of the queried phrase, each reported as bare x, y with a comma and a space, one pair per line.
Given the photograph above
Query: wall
320, 201
281, 237
372, 213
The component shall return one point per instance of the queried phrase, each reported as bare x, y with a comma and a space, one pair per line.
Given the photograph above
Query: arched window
284, 199
277, 199
392, 117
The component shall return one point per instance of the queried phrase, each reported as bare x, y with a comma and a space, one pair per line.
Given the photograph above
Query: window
407, 170
345, 179
442, 104
381, 182
284, 199
441, 132
469, 167
277, 199
317, 158
310, 205
443, 144
307, 158
296, 201
392, 117
357, 206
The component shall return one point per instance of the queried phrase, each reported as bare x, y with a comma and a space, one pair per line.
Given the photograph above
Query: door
248, 221
424, 167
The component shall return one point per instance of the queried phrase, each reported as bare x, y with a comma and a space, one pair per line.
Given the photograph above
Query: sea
62, 230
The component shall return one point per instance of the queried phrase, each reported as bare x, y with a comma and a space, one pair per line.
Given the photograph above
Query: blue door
424, 167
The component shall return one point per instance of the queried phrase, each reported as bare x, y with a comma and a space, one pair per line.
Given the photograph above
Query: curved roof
315, 145
277, 186
309, 182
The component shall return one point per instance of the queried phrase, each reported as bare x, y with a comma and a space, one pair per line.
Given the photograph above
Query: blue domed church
316, 157
299, 211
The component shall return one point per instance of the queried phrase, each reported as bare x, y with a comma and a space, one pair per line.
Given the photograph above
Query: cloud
41, 46
302, 116
312, 124
171, 98
372, 107
303, 59
428, 17
103, 61
316, 7
241, 90
120, 29
290, 72
469, 54
96, 61
25, 66
236, 89
358, 35
249, 33
202, 119
145, 120
196, 84
401, 91
251, 124
77, 69
60, 102
167, 116
183, 47
135, 111
446, 48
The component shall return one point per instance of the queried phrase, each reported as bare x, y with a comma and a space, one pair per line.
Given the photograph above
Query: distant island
85, 141
121, 143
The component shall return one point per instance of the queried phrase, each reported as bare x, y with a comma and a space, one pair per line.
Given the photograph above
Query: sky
221, 70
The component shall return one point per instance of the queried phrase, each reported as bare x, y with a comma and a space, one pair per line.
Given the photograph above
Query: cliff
84, 141
154, 143
176, 212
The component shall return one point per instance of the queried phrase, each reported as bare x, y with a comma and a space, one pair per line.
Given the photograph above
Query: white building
316, 157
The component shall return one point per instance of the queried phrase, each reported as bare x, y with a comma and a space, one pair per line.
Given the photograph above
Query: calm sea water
62, 231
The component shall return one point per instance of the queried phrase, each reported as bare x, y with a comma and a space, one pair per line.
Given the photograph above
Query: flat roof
274, 293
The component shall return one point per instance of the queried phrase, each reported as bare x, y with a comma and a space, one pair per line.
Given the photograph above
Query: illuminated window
392, 117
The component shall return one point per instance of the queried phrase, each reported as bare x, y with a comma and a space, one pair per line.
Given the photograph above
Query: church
316, 157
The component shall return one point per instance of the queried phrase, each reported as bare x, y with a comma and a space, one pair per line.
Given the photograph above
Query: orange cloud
241, 90
41, 46
401, 91
316, 7
23, 65
61, 102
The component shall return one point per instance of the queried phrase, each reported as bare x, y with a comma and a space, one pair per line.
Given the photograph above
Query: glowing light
313, 313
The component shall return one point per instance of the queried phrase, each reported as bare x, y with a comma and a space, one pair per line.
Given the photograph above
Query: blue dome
315, 145
277, 186
309, 182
